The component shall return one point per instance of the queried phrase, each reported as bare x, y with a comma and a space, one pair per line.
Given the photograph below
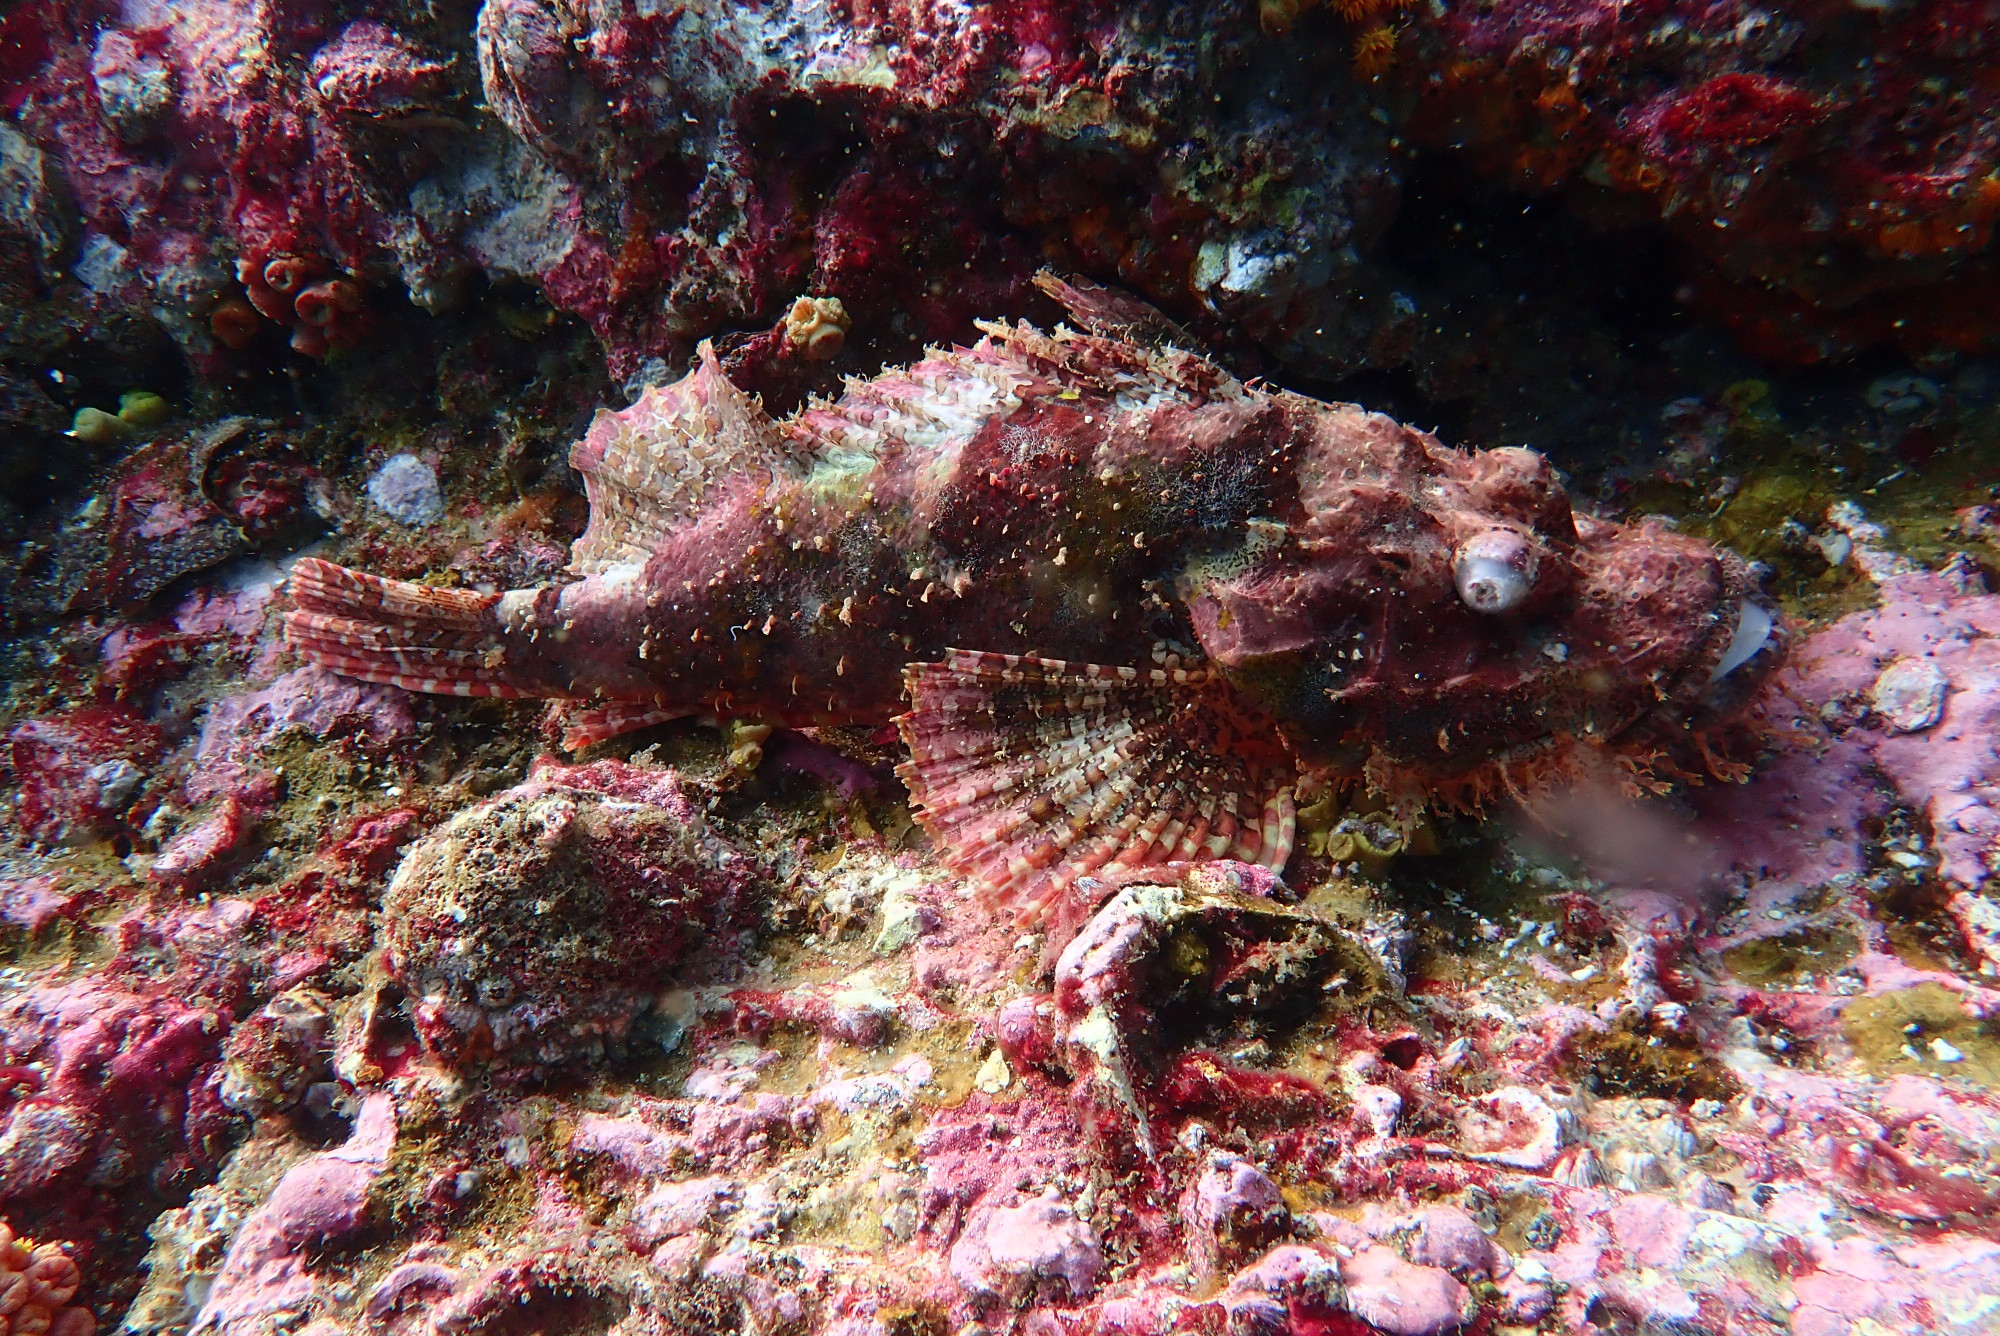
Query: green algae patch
1625, 1061
1767, 493
1792, 956
1922, 1029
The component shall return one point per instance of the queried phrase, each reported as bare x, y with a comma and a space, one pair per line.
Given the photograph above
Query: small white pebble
1944, 1052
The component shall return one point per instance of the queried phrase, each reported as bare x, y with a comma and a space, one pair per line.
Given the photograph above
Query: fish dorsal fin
1112, 314
1105, 365
931, 405
1032, 773
647, 468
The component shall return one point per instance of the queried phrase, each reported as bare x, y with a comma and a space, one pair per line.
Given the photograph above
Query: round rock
535, 927
1909, 695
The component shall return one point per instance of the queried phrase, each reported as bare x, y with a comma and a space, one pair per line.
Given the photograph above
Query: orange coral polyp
234, 323
286, 274
1375, 51
323, 303
37, 1283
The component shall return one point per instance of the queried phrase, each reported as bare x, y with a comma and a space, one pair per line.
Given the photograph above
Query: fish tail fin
1034, 773
446, 641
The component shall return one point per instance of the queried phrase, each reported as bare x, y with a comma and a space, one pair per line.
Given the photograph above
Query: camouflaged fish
1123, 607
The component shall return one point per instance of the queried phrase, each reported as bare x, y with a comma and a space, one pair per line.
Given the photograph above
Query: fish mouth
1755, 628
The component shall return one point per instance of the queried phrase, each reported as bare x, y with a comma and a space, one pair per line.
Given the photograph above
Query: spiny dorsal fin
1031, 773
1116, 315
1101, 364
934, 405
647, 468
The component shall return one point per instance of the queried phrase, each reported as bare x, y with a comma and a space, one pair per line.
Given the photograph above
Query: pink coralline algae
239, 729
666, 176
1234, 1211
1180, 857
1917, 681
1009, 1253
105, 1086
537, 927
266, 1277
198, 855
1823, 203
1215, 1109
77, 772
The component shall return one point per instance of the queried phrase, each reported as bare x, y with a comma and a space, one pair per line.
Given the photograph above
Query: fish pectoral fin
1032, 773
583, 725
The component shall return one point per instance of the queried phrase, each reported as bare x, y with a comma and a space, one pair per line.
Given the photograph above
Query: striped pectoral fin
398, 633
1032, 773
583, 725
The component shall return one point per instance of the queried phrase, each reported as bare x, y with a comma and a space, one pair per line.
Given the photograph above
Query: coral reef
907, 162
583, 755
677, 1043
271, 170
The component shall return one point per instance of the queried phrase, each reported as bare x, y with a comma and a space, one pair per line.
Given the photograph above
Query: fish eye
1495, 570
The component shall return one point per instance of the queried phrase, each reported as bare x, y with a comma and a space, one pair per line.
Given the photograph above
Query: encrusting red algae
1122, 606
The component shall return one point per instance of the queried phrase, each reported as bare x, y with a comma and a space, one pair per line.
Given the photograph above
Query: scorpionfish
1123, 607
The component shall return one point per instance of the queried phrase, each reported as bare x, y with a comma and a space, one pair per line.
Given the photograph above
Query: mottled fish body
1120, 604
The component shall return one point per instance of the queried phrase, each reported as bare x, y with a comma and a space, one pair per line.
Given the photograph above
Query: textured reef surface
623, 716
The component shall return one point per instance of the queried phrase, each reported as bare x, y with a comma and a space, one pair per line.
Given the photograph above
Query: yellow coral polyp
817, 327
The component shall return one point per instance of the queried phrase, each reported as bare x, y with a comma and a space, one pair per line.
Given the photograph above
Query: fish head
1443, 622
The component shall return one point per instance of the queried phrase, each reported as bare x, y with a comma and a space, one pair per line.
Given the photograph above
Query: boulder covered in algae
535, 927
